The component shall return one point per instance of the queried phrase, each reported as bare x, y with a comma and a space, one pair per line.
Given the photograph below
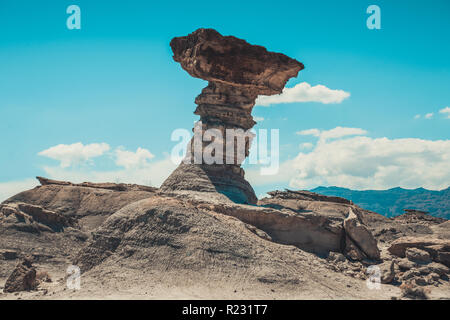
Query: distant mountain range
392, 202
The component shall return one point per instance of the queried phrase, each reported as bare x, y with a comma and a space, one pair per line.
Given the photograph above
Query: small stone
421, 281
405, 264
336, 256
410, 274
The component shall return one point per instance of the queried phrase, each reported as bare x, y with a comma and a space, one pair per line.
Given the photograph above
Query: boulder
336, 257
23, 277
352, 251
420, 281
361, 236
387, 271
405, 264
417, 255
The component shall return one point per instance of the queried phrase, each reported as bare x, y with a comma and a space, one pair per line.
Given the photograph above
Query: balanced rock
237, 73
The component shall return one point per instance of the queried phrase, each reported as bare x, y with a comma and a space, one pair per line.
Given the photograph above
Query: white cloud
429, 115
258, 118
417, 116
132, 167
335, 133
306, 145
304, 92
254, 176
8, 189
446, 112
70, 154
362, 162
309, 132
366, 163
129, 159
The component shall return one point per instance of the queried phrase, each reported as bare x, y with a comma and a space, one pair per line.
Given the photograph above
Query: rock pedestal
237, 73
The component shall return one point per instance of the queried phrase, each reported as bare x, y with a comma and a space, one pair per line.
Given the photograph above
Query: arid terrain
204, 234
134, 242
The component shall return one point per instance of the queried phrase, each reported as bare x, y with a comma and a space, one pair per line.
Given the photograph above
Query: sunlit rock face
237, 73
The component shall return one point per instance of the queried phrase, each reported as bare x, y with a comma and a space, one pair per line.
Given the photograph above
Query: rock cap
208, 55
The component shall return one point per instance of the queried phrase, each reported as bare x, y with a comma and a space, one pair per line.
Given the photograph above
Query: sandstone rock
309, 231
336, 256
387, 270
437, 248
88, 204
421, 281
158, 229
443, 257
405, 264
23, 278
417, 255
208, 55
416, 216
434, 267
29, 217
352, 251
410, 274
108, 186
333, 211
361, 236
412, 291
306, 195
432, 277
237, 73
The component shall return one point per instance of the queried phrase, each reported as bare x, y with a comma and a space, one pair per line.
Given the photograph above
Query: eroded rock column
237, 73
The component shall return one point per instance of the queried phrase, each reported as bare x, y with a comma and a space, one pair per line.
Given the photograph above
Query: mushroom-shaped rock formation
237, 73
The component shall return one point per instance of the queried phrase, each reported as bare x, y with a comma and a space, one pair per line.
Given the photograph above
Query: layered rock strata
237, 73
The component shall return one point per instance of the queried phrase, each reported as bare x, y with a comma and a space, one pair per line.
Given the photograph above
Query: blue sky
114, 82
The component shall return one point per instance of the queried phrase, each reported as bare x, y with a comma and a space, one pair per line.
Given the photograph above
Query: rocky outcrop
87, 203
312, 232
417, 216
334, 222
439, 249
360, 237
108, 186
237, 73
23, 277
32, 218
417, 255
54, 220
306, 195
